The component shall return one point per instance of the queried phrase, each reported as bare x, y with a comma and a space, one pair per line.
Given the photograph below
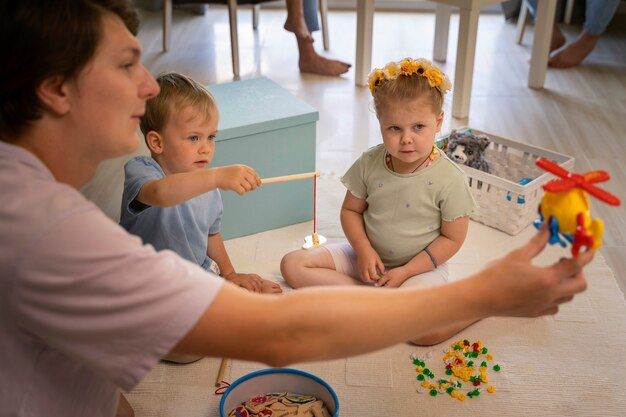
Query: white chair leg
323, 6
166, 13
234, 40
256, 10
522, 20
569, 8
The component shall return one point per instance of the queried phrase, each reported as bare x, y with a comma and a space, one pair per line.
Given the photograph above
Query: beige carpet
571, 364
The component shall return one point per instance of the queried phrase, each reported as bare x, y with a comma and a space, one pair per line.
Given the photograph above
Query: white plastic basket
508, 196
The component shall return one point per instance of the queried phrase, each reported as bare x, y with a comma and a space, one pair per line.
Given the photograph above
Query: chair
522, 20
232, 16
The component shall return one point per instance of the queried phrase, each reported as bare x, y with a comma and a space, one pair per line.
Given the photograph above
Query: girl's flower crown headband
421, 67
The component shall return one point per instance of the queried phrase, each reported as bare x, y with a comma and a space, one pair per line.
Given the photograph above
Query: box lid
258, 105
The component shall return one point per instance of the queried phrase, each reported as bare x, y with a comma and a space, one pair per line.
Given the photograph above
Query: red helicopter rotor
570, 180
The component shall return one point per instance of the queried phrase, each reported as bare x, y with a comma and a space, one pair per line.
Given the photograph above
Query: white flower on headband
409, 67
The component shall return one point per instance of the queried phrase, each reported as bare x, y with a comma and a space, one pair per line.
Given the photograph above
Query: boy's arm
217, 251
442, 248
369, 263
177, 188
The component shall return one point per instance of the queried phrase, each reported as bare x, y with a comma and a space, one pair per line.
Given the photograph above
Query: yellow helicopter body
572, 210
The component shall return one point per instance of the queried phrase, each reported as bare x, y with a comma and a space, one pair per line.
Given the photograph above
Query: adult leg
558, 39
298, 21
598, 15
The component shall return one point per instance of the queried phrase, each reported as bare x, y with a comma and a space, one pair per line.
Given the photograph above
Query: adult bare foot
270, 287
575, 52
313, 63
558, 39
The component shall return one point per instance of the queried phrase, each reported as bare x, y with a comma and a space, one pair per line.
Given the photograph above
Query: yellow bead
454, 394
420, 368
425, 384
491, 389
461, 397
489, 356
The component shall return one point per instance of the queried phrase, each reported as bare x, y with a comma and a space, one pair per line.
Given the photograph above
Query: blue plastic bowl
278, 380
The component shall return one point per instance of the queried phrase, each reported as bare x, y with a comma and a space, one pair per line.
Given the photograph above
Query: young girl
407, 206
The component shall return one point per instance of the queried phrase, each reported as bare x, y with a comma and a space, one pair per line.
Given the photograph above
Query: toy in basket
508, 195
566, 206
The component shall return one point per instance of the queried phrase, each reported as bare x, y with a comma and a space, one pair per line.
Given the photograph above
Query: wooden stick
220, 373
290, 177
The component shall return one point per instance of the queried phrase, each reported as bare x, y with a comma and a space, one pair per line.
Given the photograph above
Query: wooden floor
581, 112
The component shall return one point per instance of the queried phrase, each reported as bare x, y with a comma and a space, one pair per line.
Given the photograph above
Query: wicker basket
509, 196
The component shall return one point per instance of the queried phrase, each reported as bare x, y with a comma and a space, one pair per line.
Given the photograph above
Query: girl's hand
237, 178
251, 282
393, 278
371, 267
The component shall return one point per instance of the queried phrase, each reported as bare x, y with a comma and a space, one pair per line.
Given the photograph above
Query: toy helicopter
565, 204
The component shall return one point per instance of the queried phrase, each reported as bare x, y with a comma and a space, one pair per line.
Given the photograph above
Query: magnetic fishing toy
565, 205
314, 239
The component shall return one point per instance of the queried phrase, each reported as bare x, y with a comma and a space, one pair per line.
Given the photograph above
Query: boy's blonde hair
408, 79
177, 92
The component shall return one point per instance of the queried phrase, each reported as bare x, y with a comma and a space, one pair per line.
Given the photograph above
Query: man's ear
52, 93
154, 142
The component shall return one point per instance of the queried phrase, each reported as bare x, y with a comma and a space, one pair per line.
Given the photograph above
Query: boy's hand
251, 282
237, 178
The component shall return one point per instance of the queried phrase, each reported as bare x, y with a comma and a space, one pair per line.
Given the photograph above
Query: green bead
484, 350
457, 347
470, 363
483, 364
426, 371
474, 354
433, 392
416, 362
449, 389
496, 368
420, 377
448, 371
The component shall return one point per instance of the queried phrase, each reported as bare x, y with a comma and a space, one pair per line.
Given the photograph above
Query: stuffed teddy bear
469, 149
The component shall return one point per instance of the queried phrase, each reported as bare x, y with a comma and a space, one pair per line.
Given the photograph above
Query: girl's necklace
430, 157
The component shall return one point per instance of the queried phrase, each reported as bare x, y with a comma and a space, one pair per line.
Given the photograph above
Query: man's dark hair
43, 38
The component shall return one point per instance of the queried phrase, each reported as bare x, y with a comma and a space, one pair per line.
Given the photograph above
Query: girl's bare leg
305, 268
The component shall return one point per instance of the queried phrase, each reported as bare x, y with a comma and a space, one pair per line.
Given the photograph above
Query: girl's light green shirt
404, 211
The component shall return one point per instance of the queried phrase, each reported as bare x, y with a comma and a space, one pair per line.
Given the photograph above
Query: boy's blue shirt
183, 228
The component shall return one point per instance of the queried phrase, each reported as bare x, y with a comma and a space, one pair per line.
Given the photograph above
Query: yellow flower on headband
391, 71
409, 67
434, 76
375, 79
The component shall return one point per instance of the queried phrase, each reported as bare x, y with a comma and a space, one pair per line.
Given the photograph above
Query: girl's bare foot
270, 287
575, 52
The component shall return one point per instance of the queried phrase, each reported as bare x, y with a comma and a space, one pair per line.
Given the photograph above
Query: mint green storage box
264, 126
